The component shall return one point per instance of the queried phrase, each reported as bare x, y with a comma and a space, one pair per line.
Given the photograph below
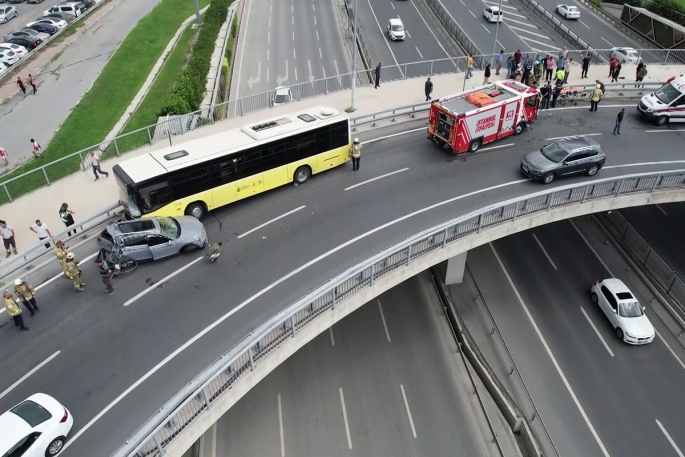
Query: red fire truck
466, 121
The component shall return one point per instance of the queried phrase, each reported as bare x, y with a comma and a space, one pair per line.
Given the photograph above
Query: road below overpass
597, 395
386, 380
123, 357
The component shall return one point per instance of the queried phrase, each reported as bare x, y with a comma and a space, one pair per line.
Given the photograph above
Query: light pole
494, 45
354, 58
197, 14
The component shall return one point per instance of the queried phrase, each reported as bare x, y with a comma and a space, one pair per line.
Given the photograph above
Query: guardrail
31, 53
18, 265
200, 394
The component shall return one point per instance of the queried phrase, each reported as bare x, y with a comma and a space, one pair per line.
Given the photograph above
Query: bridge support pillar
454, 270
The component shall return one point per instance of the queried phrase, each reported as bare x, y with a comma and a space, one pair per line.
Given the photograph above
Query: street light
197, 13
494, 45
354, 58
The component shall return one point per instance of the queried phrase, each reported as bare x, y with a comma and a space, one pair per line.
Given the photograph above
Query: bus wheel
661, 120
474, 145
302, 174
519, 128
196, 210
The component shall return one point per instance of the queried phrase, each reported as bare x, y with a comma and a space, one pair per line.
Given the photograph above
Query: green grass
100, 109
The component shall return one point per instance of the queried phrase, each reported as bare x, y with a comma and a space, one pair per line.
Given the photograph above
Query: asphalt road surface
597, 395
63, 82
286, 43
114, 370
393, 365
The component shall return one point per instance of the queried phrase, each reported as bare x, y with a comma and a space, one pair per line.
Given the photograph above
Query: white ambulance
667, 104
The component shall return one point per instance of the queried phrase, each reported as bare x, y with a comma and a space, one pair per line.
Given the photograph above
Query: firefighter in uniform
213, 251
27, 294
73, 272
60, 251
13, 310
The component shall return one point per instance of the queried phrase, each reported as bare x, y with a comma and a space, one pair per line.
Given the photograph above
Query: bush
669, 9
189, 89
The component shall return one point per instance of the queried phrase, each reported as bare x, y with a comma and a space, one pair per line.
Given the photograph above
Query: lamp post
354, 58
197, 13
494, 45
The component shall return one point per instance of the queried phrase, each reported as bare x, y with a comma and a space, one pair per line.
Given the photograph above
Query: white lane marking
240, 65
417, 50
430, 29
220, 320
507, 20
587, 26
293, 35
27, 375
551, 356
162, 281
268, 39
474, 16
267, 54
544, 251
668, 346
269, 21
606, 267
664, 131
670, 440
272, 221
497, 147
662, 210
527, 32
92, 256
597, 332
547, 46
376, 178
320, 53
501, 45
570, 136
313, 9
393, 5
280, 425
397, 134
294, 56
607, 41
462, 2
385, 325
267, 74
347, 426
585, 106
406, 405
214, 439
330, 330
295, 72
486, 29
640, 164
385, 40
317, 35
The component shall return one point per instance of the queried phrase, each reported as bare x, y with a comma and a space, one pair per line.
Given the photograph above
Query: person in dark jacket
428, 89
546, 92
486, 79
586, 66
378, 75
556, 94
67, 216
619, 120
106, 272
617, 72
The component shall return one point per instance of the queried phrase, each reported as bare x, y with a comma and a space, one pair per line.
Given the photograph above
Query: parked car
71, 8
26, 33
87, 4
630, 55
67, 17
623, 310
59, 23
7, 13
154, 238
8, 57
396, 29
35, 1
282, 95
3, 69
18, 49
568, 11
44, 28
15, 1
36, 427
493, 14
564, 157
29, 43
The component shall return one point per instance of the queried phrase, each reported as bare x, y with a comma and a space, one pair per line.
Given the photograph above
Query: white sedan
492, 14
60, 24
623, 310
17, 48
8, 57
568, 11
36, 427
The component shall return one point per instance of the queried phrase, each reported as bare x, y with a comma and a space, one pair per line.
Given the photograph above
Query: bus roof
182, 155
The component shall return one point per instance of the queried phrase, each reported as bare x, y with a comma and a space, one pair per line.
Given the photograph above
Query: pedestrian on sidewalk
527, 68
356, 154
567, 69
619, 119
21, 85
549, 68
73, 272
517, 57
595, 97
26, 294
106, 273
378, 75
498, 62
486, 78
560, 76
601, 85
95, 162
556, 94
67, 217
14, 311
510, 66
641, 76
32, 81
546, 92
613, 61
428, 89
42, 231
469, 66
3, 155
640, 64
586, 66
7, 233
36, 149
617, 72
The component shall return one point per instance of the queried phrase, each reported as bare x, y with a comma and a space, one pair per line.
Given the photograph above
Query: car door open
160, 246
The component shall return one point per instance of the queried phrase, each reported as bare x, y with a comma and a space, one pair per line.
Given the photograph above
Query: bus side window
301, 146
339, 135
155, 195
274, 155
323, 139
247, 163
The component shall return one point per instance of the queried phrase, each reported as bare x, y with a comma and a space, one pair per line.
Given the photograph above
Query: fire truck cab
466, 121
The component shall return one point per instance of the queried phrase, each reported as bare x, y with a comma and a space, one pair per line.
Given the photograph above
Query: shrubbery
669, 9
189, 90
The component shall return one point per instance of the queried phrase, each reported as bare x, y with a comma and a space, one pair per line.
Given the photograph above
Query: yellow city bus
200, 175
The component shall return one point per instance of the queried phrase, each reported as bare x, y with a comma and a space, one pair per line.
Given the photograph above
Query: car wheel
302, 174
197, 210
55, 446
548, 178
661, 120
474, 145
595, 298
189, 247
519, 128
592, 170
619, 333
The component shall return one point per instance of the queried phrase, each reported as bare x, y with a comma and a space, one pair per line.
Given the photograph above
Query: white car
396, 29
36, 427
8, 57
493, 14
18, 49
630, 55
60, 24
7, 13
623, 310
282, 95
3, 69
71, 8
568, 11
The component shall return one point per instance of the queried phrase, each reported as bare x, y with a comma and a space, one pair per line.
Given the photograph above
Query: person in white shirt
7, 233
42, 231
3, 156
36, 149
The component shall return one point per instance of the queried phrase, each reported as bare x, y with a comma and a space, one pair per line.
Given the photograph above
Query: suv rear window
31, 412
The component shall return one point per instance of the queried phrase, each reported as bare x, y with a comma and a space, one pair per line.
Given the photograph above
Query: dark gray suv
565, 156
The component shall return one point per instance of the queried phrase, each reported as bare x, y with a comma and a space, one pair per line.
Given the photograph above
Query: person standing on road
486, 78
95, 162
7, 233
3, 155
21, 85
36, 149
378, 75
586, 66
67, 217
356, 154
14, 311
73, 272
428, 89
469, 66
106, 273
498, 62
60, 251
42, 231
641, 76
619, 119
595, 97
617, 72
32, 81
27, 294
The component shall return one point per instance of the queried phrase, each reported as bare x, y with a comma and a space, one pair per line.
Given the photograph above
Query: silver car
28, 34
565, 156
7, 13
154, 238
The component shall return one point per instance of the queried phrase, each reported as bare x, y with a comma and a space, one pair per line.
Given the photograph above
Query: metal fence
174, 417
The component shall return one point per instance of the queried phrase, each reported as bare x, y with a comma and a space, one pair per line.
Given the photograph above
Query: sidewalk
86, 197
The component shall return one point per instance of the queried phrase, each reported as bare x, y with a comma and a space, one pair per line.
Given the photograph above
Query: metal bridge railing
175, 416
